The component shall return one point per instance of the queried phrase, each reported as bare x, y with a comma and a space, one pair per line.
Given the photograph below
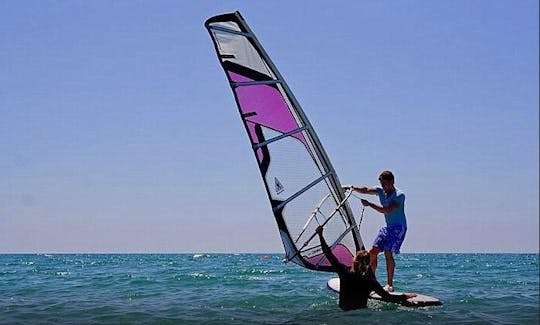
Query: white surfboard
418, 301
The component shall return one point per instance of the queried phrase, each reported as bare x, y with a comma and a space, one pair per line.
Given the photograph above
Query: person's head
360, 261
386, 179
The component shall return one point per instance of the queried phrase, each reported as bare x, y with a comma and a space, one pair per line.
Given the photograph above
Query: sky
120, 134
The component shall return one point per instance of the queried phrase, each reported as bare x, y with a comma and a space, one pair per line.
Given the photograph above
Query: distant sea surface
257, 289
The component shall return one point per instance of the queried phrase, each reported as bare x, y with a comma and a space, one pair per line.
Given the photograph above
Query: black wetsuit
354, 286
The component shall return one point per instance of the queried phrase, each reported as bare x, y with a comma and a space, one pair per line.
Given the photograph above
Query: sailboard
418, 301
302, 186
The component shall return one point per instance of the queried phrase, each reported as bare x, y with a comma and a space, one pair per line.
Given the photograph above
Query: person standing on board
391, 237
357, 281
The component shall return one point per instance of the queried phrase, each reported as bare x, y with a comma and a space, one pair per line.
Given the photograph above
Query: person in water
391, 237
358, 280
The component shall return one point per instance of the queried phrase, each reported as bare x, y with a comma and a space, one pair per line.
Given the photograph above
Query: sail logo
279, 187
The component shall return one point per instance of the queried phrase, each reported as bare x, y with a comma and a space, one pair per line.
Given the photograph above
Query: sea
257, 289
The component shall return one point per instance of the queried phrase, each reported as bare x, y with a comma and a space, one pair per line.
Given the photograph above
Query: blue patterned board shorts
390, 238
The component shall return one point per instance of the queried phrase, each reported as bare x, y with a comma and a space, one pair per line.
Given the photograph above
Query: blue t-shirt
397, 216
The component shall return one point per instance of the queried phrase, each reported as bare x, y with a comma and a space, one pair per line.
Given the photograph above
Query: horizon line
228, 253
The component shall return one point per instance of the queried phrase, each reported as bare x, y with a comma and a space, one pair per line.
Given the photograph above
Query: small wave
198, 256
201, 275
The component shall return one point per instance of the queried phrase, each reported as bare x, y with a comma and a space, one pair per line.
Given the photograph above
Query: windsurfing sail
302, 186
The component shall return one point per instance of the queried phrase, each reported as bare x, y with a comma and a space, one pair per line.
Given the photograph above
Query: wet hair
387, 176
361, 262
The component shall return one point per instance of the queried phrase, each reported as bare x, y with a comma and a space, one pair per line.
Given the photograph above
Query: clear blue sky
119, 133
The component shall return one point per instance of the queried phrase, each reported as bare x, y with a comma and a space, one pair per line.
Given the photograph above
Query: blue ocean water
256, 288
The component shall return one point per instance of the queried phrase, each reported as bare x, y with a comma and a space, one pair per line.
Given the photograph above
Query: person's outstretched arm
365, 190
328, 253
375, 286
394, 205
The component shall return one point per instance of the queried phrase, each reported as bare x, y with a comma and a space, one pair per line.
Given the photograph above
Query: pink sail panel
270, 108
340, 251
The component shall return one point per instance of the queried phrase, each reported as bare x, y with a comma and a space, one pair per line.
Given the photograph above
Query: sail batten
302, 186
279, 137
252, 83
302, 190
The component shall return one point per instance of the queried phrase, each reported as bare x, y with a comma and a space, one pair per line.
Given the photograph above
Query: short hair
387, 176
